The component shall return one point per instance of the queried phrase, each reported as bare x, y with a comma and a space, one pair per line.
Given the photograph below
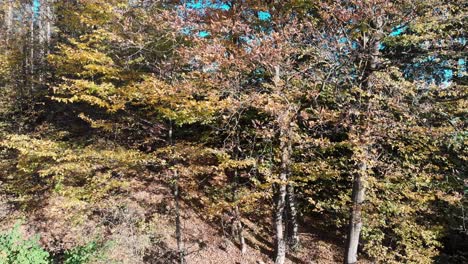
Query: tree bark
175, 185
284, 203
280, 245
355, 222
8, 19
240, 230
42, 47
178, 226
45, 25
292, 224
360, 178
281, 190
31, 49
48, 23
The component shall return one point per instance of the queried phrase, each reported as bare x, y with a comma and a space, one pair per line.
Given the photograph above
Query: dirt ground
139, 225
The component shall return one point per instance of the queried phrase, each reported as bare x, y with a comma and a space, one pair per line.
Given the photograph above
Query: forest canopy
158, 131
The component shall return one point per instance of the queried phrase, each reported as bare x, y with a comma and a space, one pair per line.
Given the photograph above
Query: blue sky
200, 4
36, 6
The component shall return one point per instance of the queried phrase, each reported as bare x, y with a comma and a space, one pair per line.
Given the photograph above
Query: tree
255, 64
117, 70
376, 110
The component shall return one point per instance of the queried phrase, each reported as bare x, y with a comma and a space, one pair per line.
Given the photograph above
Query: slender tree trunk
48, 29
355, 222
281, 191
48, 22
44, 35
240, 230
45, 25
31, 49
280, 245
180, 247
280, 188
360, 178
178, 226
292, 224
9, 19
41, 22
237, 224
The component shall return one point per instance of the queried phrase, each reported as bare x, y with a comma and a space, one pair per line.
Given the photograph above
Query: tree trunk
360, 178
280, 246
281, 190
292, 224
31, 49
239, 230
45, 25
48, 22
9, 19
178, 227
355, 222
41, 22
175, 186
236, 225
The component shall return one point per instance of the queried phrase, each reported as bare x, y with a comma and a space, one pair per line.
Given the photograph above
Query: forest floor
138, 225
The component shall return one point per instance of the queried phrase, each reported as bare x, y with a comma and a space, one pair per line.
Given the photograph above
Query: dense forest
158, 131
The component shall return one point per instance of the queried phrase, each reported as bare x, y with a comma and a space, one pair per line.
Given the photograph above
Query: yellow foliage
85, 172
